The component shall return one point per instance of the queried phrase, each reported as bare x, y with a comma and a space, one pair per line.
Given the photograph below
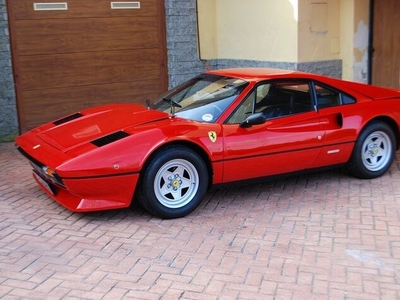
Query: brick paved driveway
318, 236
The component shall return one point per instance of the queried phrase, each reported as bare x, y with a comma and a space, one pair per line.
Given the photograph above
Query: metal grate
67, 119
125, 5
108, 139
51, 6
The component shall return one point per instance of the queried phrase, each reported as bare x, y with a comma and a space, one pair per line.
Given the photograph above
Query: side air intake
67, 119
108, 139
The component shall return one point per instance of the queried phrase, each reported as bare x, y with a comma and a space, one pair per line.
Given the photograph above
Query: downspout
370, 40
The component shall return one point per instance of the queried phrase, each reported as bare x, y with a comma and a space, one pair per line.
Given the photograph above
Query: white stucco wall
296, 31
319, 30
251, 29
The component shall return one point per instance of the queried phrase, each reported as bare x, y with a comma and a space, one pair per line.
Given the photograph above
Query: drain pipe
370, 40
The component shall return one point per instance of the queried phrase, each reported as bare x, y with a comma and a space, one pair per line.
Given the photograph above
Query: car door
290, 139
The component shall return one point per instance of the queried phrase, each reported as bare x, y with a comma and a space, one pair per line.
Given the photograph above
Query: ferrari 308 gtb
220, 127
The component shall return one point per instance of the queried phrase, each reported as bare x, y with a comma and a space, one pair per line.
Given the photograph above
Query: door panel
79, 35
86, 68
23, 9
45, 102
279, 146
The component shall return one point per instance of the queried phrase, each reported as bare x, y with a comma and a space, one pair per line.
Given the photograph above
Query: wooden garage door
80, 53
386, 43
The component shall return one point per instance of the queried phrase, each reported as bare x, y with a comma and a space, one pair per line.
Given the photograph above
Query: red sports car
221, 126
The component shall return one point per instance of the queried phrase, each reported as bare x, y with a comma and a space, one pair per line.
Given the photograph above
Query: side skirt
274, 177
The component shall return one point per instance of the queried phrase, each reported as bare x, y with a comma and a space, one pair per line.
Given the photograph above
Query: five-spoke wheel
376, 151
373, 152
173, 183
176, 183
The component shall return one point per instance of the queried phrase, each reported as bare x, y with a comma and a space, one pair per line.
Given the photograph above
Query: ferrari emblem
213, 136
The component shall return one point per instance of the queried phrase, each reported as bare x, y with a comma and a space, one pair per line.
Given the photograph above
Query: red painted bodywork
98, 178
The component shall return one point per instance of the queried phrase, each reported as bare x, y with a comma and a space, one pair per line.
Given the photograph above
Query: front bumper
97, 192
91, 194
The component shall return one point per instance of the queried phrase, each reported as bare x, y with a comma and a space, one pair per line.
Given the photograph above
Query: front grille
30, 158
38, 167
108, 139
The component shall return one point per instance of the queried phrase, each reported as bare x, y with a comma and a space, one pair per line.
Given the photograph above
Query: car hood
96, 124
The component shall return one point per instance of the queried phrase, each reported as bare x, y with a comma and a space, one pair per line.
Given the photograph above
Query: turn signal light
49, 171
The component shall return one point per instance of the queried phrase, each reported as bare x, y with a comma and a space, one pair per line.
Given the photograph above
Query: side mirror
254, 119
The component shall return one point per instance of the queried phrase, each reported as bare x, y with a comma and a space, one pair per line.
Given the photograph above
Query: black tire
173, 183
373, 152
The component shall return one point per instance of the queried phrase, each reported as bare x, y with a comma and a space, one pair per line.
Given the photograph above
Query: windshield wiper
147, 103
173, 105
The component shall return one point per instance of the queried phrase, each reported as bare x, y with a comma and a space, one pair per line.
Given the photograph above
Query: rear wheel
173, 183
373, 152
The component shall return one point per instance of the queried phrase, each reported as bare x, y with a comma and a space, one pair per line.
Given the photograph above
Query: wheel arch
194, 147
362, 163
391, 123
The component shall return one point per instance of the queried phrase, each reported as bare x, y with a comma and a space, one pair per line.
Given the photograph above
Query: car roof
258, 73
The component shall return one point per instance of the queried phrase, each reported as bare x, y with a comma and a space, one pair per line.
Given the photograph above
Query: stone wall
8, 110
182, 45
331, 68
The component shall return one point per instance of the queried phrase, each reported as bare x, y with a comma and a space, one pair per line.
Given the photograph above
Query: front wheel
173, 183
373, 152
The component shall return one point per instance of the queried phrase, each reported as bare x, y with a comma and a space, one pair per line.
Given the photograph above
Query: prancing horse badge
212, 135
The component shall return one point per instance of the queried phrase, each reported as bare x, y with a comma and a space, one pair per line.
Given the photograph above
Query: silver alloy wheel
176, 183
376, 151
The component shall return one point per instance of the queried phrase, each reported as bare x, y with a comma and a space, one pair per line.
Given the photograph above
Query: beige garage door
81, 53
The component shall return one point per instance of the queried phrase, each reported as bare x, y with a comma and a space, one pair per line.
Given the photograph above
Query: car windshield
203, 98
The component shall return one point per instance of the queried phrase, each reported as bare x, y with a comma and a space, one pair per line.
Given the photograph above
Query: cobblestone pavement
319, 236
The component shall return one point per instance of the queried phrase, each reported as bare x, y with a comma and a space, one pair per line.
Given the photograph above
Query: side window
328, 97
346, 99
275, 99
282, 98
244, 110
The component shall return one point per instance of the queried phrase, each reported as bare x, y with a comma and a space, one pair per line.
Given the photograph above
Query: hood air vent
67, 119
108, 139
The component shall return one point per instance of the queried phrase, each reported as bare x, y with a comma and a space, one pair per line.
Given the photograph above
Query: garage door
71, 55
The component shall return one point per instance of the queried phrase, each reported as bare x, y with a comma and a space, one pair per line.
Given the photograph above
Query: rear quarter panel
372, 102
